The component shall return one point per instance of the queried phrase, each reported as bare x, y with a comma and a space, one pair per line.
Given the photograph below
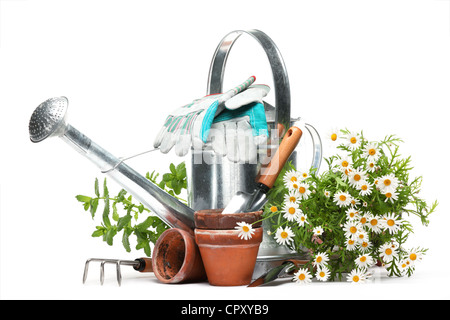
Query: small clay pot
228, 259
176, 258
214, 219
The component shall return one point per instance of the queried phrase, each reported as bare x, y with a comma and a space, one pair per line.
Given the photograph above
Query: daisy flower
303, 175
362, 236
333, 134
365, 188
351, 229
292, 185
391, 223
346, 173
291, 210
301, 219
371, 152
344, 163
303, 190
403, 265
323, 274
388, 252
365, 246
353, 140
350, 244
321, 259
245, 230
370, 165
302, 276
284, 236
390, 196
318, 231
374, 224
388, 182
326, 193
357, 276
342, 199
363, 219
292, 196
352, 214
291, 176
415, 256
355, 177
364, 261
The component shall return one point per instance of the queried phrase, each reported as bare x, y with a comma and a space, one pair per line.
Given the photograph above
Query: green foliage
122, 214
322, 209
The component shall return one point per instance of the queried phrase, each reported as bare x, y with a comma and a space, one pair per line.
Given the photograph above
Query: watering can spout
49, 120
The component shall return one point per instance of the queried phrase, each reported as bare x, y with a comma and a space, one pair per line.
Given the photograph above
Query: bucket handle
280, 79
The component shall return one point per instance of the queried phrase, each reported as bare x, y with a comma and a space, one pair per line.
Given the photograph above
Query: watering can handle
280, 79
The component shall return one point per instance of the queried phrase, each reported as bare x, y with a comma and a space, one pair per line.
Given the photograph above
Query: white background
378, 66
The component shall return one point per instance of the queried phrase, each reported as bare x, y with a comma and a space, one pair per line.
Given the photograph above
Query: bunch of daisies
351, 217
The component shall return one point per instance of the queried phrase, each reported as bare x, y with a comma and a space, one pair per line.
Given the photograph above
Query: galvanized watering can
212, 180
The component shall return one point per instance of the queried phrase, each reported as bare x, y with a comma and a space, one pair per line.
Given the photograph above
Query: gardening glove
238, 130
192, 122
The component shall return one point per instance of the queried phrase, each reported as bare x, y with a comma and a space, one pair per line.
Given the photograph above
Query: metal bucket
213, 179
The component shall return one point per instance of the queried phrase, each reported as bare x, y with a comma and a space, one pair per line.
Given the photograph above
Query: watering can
224, 178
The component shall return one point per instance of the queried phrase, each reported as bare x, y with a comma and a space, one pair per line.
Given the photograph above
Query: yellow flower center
273, 209
351, 242
295, 186
355, 278
388, 194
353, 140
293, 179
319, 259
356, 177
353, 229
284, 235
292, 199
374, 222
344, 164
302, 276
302, 218
365, 244
364, 187
342, 197
363, 259
322, 274
302, 189
291, 210
371, 164
363, 220
245, 229
413, 256
387, 182
390, 222
388, 251
304, 175
372, 152
334, 136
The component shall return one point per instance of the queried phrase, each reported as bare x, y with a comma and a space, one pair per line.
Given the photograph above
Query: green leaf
98, 233
94, 205
110, 233
115, 214
142, 227
173, 169
97, 192
106, 220
181, 171
83, 198
126, 240
105, 189
123, 221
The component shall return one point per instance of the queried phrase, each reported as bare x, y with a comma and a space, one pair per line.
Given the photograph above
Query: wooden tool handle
145, 265
276, 164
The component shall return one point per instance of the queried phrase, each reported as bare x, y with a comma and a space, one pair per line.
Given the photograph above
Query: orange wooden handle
145, 265
276, 164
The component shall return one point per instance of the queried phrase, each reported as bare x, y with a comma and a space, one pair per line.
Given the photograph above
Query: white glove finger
231, 141
161, 133
183, 144
246, 147
217, 138
167, 142
252, 94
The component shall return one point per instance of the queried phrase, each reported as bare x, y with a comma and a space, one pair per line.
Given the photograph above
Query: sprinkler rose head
48, 119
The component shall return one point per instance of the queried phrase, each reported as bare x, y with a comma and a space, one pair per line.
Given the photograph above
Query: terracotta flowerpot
176, 258
228, 260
